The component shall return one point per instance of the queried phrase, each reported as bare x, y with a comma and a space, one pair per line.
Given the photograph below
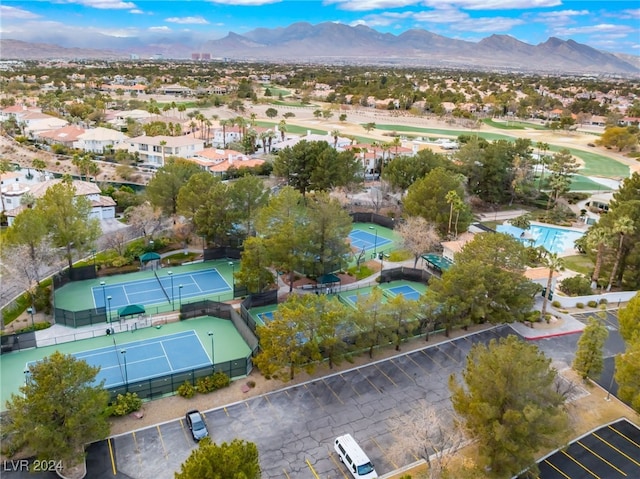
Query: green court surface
228, 345
350, 296
392, 240
582, 183
77, 295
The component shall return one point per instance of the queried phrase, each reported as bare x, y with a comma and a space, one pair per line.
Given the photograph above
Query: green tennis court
208, 280
228, 344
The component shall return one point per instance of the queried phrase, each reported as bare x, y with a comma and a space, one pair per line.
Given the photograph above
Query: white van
355, 459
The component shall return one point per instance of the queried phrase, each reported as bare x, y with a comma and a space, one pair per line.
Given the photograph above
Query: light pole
213, 362
108, 309
170, 273
93, 252
104, 294
375, 243
26, 381
179, 296
126, 373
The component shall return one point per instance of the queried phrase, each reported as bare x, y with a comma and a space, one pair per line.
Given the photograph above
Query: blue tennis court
364, 240
354, 298
147, 358
266, 317
407, 291
164, 288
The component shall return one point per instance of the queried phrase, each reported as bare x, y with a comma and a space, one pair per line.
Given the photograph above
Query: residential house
153, 150
102, 207
218, 161
65, 136
96, 140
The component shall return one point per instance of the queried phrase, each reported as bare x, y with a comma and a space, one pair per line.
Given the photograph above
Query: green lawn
582, 183
579, 263
514, 125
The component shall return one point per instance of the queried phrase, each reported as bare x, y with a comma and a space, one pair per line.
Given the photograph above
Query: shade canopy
131, 309
328, 278
150, 256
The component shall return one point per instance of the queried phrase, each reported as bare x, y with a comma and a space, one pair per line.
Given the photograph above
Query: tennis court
266, 317
147, 358
405, 290
162, 288
354, 298
361, 239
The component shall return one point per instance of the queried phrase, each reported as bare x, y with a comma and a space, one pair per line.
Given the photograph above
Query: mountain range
339, 43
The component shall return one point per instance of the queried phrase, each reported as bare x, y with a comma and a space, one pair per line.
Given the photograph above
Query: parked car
196, 424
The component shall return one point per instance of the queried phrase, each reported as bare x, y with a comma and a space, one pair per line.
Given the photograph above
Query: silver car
196, 424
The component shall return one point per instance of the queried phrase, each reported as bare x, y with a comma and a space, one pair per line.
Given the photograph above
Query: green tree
484, 284
192, 193
164, 187
315, 165
288, 343
427, 198
333, 328
619, 137
235, 460
327, 226
60, 409
622, 226
216, 217
628, 373
509, 404
271, 112
254, 272
629, 318
248, 195
403, 171
563, 166
369, 126
596, 240
68, 219
402, 313
554, 263
589, 361
374, 324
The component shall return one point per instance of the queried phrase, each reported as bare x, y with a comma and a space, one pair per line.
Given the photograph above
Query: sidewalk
564, 324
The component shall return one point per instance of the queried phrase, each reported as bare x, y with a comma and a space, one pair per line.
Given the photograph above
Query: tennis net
160, 283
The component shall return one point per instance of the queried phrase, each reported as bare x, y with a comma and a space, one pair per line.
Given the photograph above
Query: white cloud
136, 11
242, 3
105, 4
445, 14
366, 5
187, 20
495, 4
383, 19
591, 29
13, 12
163, 28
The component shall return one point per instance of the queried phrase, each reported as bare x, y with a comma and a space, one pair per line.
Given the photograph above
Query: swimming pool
553, 238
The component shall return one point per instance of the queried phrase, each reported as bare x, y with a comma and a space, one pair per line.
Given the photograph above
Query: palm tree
396, 143
282, 126
622, 226
596, 240
554, 263
451, 198
224, 124
335, 134
163, 143
544, 147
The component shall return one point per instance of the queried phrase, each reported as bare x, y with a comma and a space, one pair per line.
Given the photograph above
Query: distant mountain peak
334, 42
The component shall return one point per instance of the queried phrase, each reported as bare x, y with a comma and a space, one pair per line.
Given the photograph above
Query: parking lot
611, 452
294, 428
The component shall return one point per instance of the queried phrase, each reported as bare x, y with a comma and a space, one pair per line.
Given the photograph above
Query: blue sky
607, 25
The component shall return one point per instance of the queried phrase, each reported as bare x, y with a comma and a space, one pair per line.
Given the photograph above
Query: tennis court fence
404, 273
254, 301
224, 311
167, 385
376, 219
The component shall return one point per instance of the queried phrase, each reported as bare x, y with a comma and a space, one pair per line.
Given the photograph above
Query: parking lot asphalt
611, 452
294, 428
